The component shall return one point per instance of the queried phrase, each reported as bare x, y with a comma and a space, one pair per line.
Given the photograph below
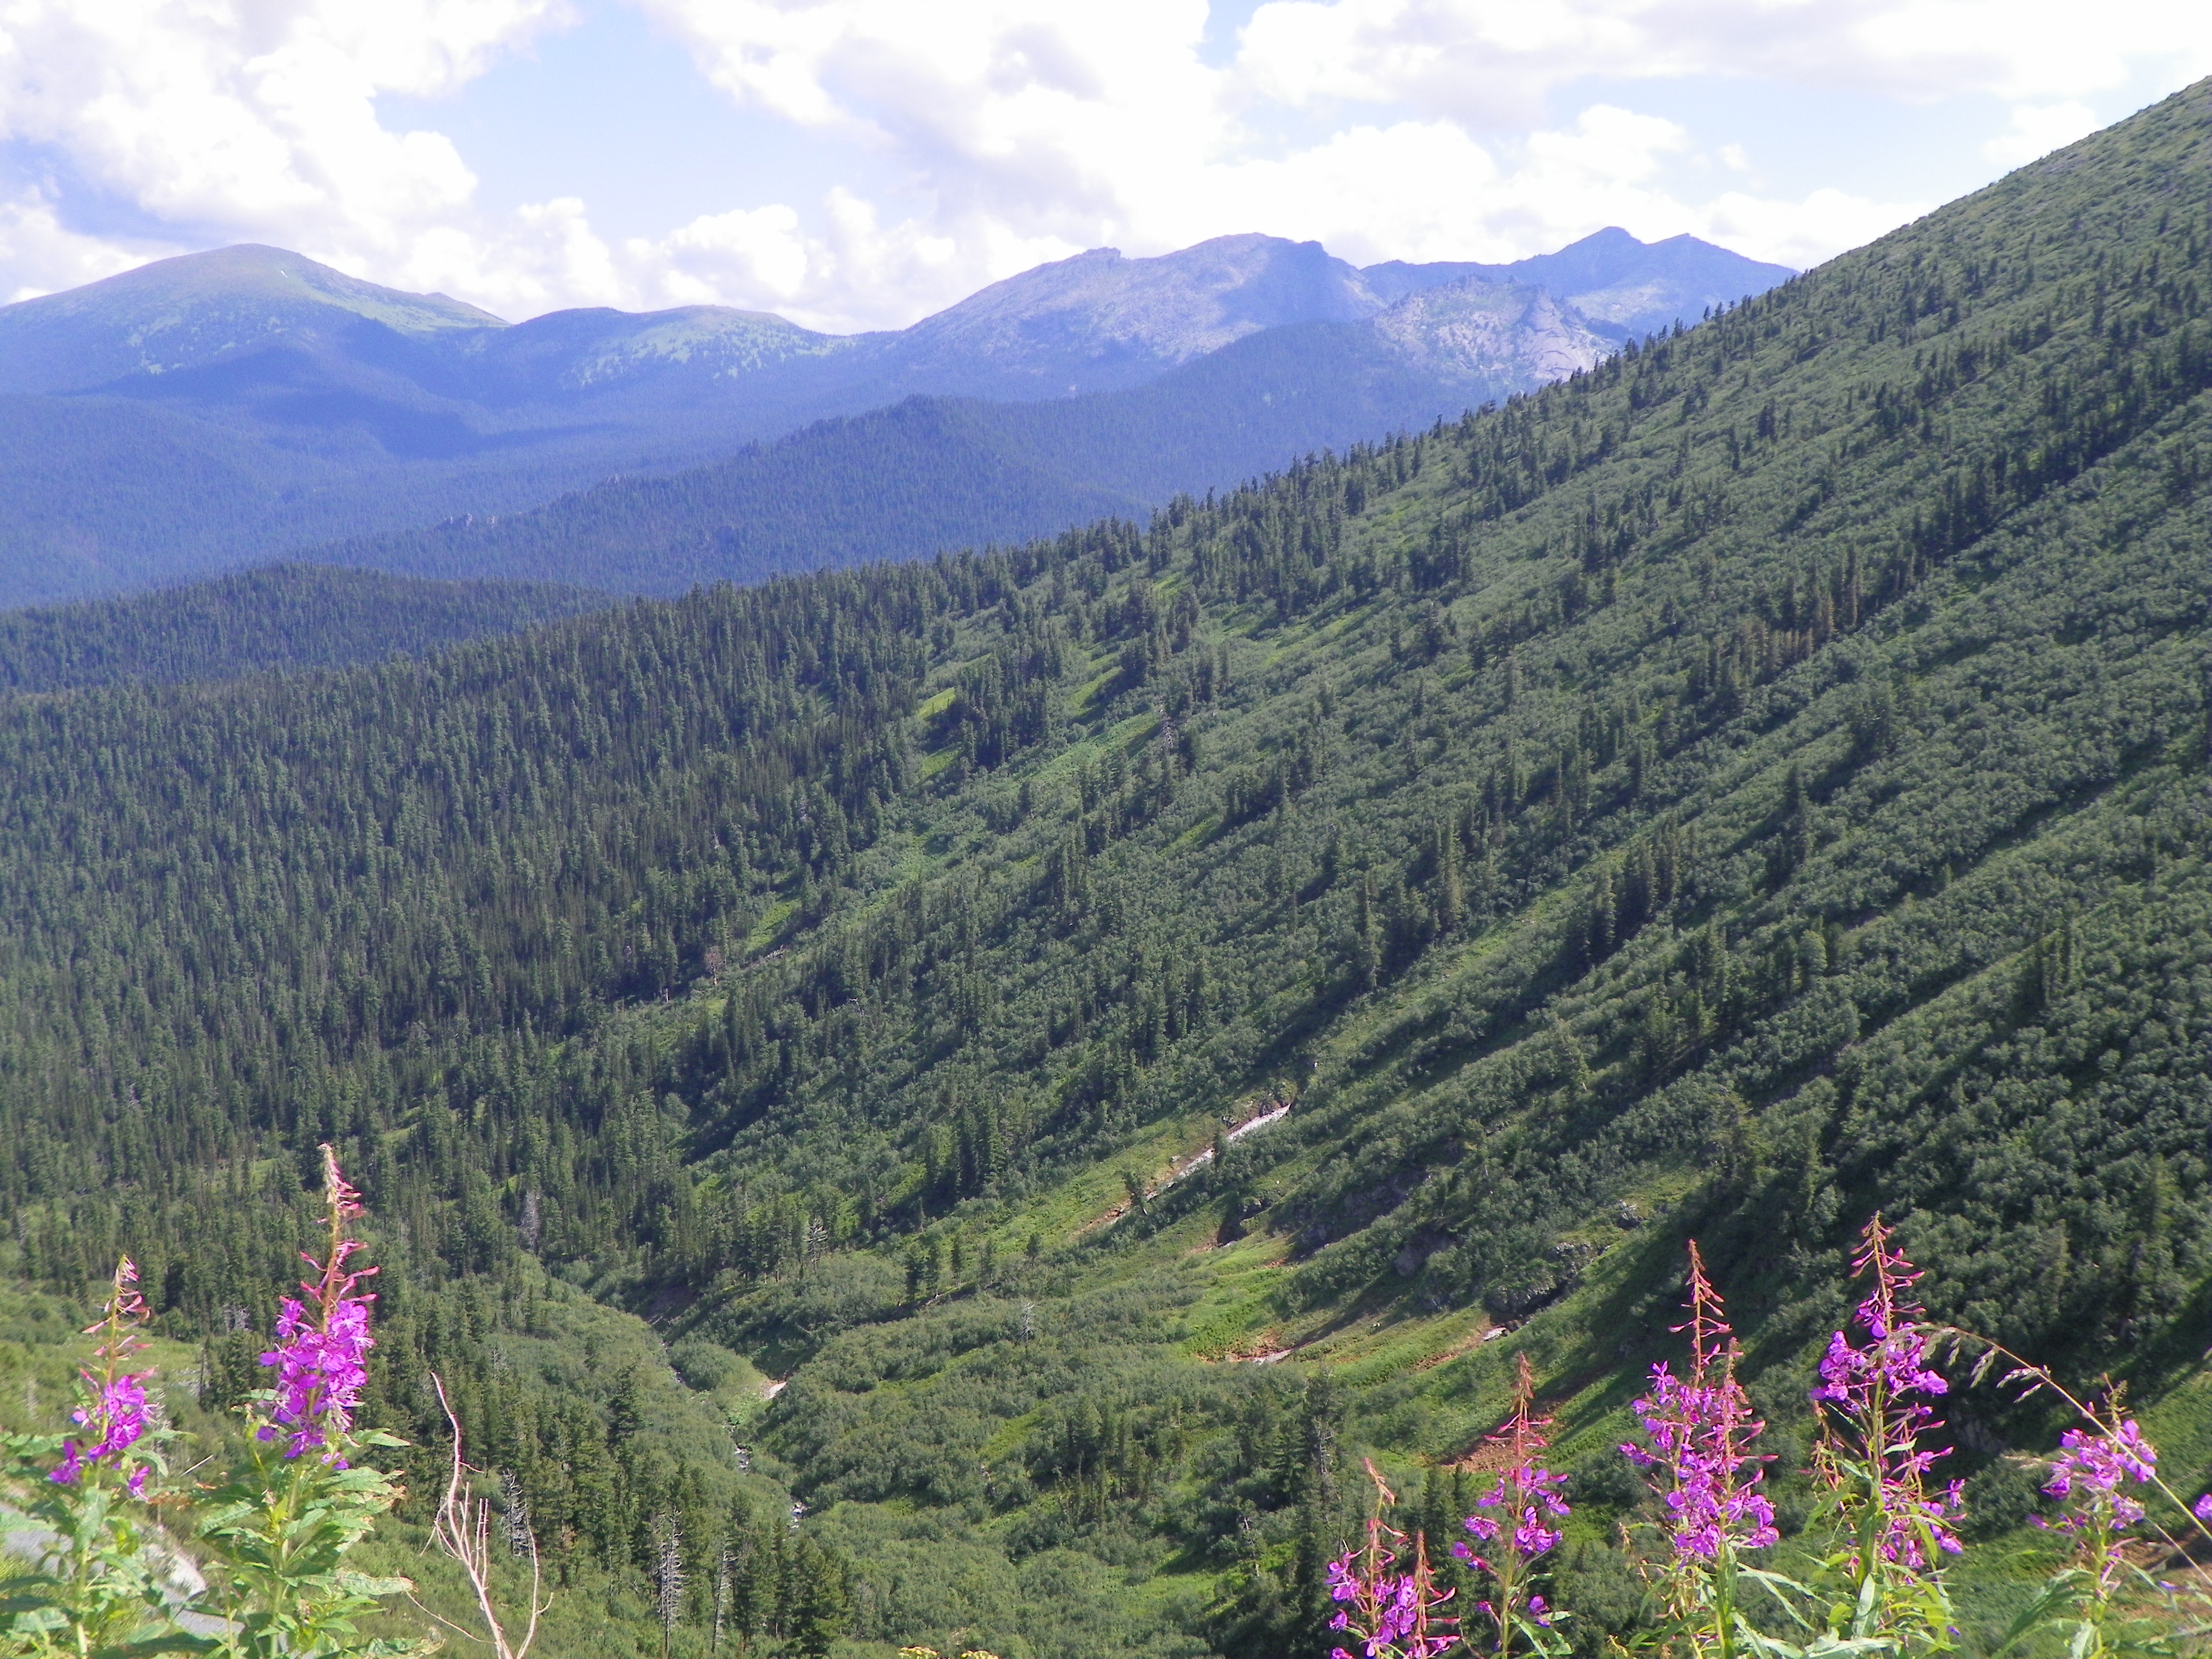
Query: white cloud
759, 251
1800, 234
764, 259
2039, 129
1026, 129
1039, 129
255, 121
1425, 190
1491, 63
1032, 124
39, 253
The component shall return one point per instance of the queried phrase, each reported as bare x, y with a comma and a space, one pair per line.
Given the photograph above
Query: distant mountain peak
257, 271
199, 308
596, 346
1100, 319
1613, 238
1625, 287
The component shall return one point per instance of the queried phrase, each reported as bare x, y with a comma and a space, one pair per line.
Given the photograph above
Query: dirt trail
1274, 1109
1486, 1332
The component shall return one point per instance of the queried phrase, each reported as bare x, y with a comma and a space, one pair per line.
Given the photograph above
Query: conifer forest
955, 1104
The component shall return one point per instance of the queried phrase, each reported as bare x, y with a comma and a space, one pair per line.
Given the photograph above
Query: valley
804, 1046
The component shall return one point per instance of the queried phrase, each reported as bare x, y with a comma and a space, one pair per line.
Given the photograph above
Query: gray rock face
1625, 288
1500, 333
1099, 321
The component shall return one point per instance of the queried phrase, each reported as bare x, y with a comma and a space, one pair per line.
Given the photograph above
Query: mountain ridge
195, 309
930, 474
1115, 320
1626, 288
330, 409
1161, 310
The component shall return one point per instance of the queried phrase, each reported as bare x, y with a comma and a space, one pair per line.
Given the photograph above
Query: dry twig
463, 1530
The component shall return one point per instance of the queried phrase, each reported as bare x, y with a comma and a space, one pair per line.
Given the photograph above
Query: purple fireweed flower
2096, 1464
321, 1356
1526, 1492
1873, 1404
1395, 1615
2202, 1508
1701, 1429
321, 1372
113, 1416
2090, 1474
1515, 1523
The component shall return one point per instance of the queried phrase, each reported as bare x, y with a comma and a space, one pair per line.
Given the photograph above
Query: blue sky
857, 163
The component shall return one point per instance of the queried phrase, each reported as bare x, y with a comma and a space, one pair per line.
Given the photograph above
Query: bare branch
462, 1530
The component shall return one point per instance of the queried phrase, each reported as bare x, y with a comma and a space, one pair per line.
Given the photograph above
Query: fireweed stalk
1392, 1614
2098, 1599
1699, 1462
283, 1527
1873, 1404
2085, 1601
113, 1415
2090, 1475
1525, 1502
95, 1590
321, 1356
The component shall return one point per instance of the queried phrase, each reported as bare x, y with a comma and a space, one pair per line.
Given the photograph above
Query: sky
855, 164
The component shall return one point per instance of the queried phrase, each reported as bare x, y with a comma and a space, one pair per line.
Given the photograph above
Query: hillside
1756, 781
114, 494
241, 405
275, 617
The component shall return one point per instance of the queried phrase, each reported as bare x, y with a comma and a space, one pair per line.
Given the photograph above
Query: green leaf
362, 1584
2057, 1593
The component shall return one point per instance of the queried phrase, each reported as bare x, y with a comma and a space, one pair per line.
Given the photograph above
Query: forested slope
274, 617
113, 495
1756, 781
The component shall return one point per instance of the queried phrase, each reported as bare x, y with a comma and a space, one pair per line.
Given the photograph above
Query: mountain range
221, 407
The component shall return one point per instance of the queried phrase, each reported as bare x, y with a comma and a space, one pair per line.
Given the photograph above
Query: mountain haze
931, 473
1757, 782
275, 404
